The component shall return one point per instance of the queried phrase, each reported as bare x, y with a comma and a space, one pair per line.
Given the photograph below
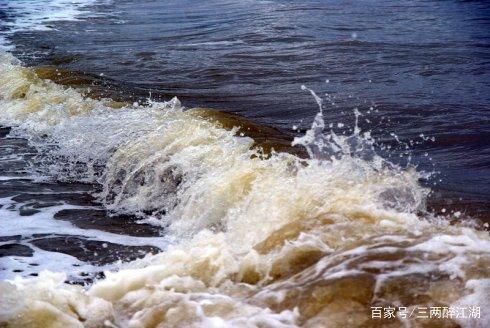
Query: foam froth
261, 240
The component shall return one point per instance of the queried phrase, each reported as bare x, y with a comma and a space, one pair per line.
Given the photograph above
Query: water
424, 65
185, 217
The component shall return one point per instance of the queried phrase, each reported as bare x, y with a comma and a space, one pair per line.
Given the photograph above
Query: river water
122, 205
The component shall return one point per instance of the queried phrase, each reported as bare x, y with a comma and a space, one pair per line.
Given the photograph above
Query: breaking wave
260, 238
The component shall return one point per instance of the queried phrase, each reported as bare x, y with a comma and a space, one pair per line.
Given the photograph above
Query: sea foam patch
25, 15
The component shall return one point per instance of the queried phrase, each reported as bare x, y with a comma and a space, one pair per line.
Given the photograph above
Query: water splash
327, 145
276, 241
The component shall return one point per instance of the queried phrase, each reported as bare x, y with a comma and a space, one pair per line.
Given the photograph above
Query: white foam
478, 300
220, 200
26, 15
44, 223
42, 260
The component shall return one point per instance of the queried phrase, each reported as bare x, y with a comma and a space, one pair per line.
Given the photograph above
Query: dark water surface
423, 65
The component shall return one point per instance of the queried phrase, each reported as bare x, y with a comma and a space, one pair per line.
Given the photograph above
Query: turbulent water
422, 64
254, 239
117, 212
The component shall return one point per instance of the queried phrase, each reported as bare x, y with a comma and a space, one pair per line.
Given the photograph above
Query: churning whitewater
253, 238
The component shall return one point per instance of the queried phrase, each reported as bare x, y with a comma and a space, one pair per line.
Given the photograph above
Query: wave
260, 237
